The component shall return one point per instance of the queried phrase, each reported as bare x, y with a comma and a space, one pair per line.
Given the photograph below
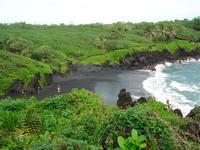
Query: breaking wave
177, 83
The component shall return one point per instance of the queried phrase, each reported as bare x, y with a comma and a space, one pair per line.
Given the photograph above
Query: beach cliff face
148, 59
17, 89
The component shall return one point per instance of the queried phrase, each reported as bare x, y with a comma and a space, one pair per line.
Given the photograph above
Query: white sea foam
183, 87
189, 60
168, 64
162, 90
135, 97
145, 70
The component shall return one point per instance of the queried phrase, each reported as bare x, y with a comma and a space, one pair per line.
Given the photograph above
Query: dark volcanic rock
15, 88
124, 99
142, 59
194, 113
193, 128
194, 53
178, 112
32, 85
145, 58
141, 100
179, 54
71, 67
48, 79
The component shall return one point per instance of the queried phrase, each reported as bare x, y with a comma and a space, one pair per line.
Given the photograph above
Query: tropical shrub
161, 128
16, 44
134, 142
45, 54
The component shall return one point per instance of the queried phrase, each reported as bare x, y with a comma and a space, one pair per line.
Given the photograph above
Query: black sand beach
106, 82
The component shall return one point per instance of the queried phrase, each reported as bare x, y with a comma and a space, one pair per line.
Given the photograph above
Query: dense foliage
17, 68
80, 42
79, 120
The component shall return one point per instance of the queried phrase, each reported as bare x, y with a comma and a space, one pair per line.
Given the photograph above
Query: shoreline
137, 61
161, 91
105, 82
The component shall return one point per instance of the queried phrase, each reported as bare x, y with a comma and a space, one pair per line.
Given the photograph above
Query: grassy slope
15, 67
78, 120
80, 42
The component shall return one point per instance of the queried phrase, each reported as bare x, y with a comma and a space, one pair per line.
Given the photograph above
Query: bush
32, 121
134, 142
196, 23
47, 55
150, 120
8, 121
16, 44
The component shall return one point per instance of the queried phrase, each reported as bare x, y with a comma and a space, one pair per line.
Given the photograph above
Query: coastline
156, 86
79, 75
106, 82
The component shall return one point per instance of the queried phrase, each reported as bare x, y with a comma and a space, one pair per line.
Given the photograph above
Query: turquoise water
178, 83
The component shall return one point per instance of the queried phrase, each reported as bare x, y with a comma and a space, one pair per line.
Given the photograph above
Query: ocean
178, 83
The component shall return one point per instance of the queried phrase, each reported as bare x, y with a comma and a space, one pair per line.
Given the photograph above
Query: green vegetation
17, 68
54, 45
78, 120
134, 142
80, 42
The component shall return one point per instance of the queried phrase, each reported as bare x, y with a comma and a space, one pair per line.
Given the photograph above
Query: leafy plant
8, 121
134, 142
16, 44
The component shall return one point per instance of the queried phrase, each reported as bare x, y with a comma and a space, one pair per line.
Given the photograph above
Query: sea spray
178, 83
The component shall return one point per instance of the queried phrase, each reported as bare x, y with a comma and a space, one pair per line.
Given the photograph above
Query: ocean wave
159, 86
183, 87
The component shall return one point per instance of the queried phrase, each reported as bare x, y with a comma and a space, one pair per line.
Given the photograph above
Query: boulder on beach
195, 113
178, 112
124, 99
141, 100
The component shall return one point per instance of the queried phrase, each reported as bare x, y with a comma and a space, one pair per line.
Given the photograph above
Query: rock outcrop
195, 113
193, 127
17, 90
138, 60
124, 99
178, 112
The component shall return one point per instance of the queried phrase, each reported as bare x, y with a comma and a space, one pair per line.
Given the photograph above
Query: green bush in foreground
68, 120
162, 129
134, 142
78, 120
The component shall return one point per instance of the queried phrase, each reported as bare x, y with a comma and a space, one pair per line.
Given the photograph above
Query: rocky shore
137, 60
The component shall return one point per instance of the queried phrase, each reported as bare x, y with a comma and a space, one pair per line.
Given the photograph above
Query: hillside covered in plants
54, 45
31, 54
78, 120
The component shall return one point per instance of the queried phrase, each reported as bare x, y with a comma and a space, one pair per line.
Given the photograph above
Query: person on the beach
58, 89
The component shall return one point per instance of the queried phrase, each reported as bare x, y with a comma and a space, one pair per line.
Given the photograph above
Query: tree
196, 23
